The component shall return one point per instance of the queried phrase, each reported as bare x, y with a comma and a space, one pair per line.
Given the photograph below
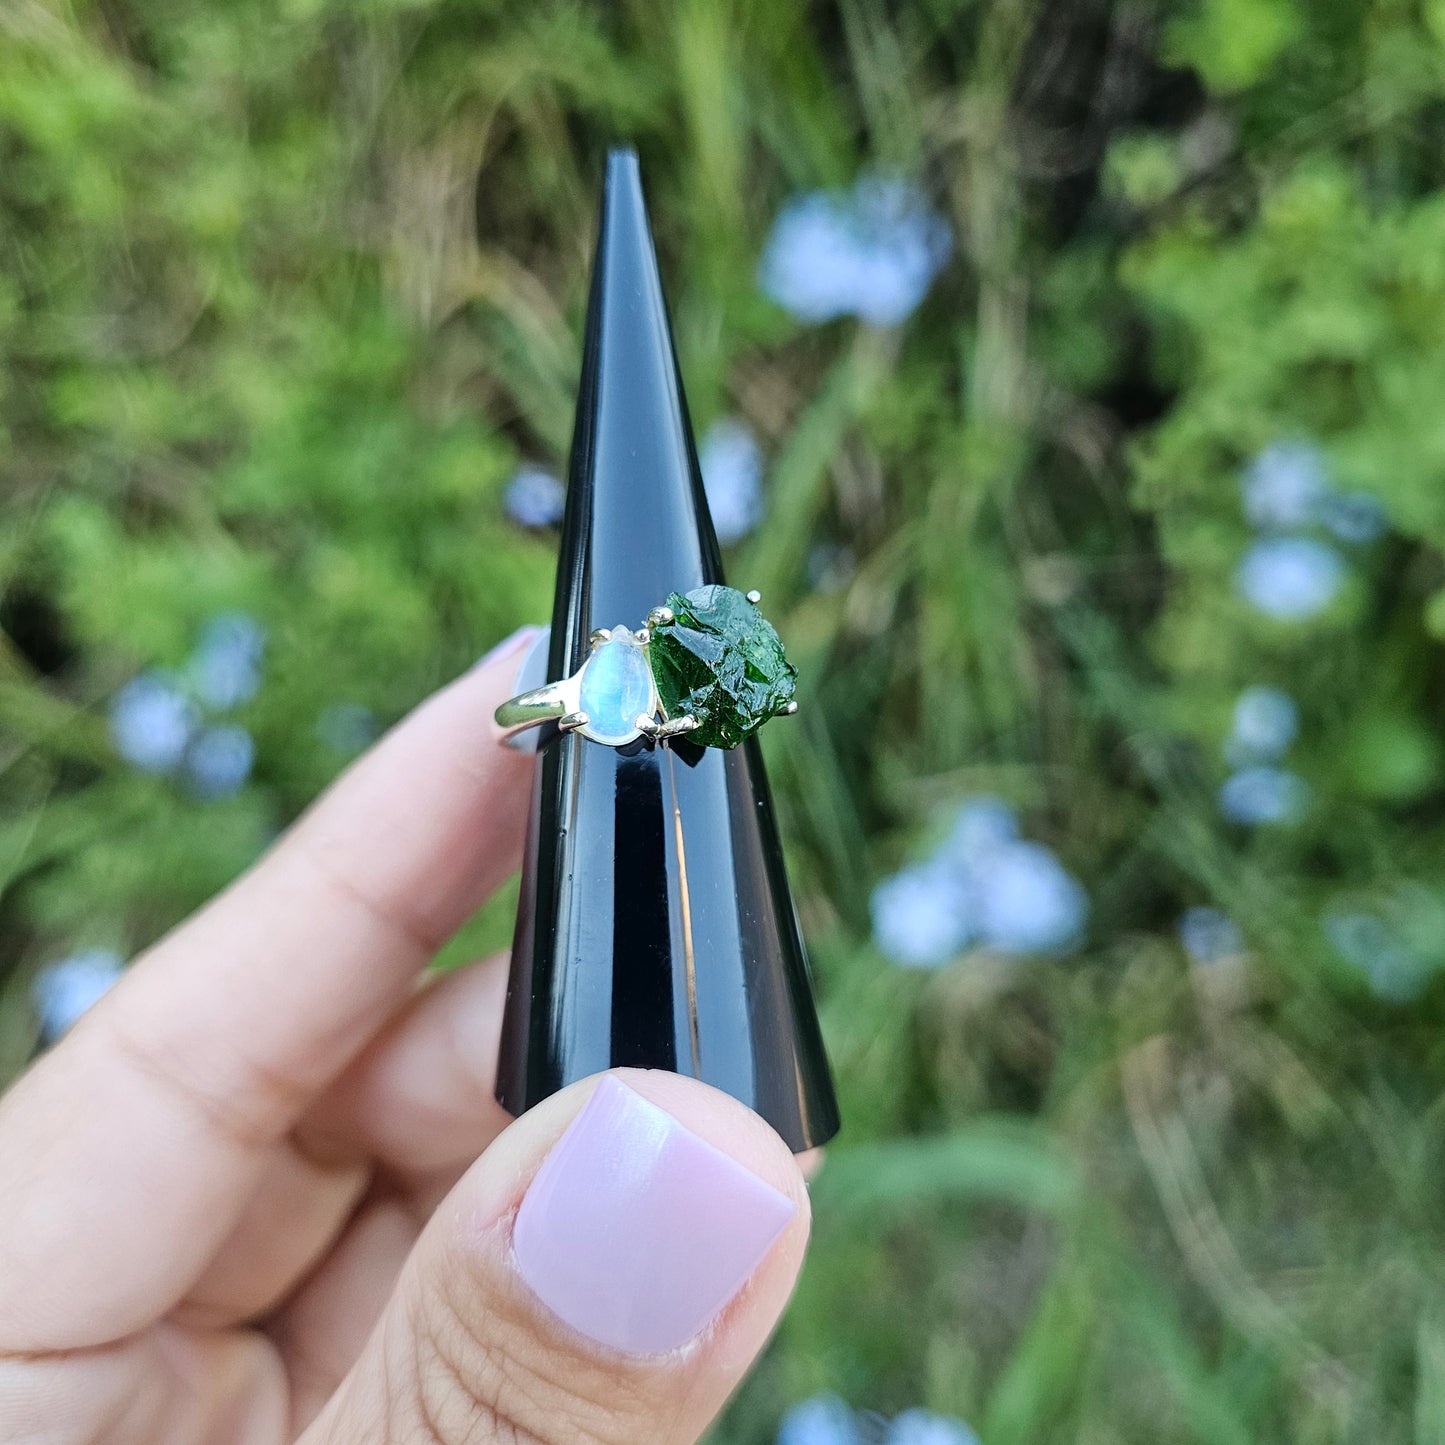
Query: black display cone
655, 926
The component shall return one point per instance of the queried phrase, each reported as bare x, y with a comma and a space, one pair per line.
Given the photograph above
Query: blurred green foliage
287, 289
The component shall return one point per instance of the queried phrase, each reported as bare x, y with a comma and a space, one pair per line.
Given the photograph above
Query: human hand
242, 1201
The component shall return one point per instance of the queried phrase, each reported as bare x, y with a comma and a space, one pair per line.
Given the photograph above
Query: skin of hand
262, 1192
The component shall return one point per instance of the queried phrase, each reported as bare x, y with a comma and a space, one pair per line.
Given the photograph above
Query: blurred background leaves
1071, 374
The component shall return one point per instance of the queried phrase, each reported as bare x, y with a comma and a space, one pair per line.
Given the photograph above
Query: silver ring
704, 664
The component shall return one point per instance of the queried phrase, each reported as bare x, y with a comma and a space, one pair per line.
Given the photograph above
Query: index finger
132, 1147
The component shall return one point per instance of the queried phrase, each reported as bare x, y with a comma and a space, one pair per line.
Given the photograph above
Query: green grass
287, 290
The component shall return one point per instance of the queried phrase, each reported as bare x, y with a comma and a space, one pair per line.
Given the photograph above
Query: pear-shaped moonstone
616, 687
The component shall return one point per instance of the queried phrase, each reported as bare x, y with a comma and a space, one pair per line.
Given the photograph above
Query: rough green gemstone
720, 660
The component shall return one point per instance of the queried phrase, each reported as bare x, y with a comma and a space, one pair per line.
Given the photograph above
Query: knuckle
237, 1097
390, 914
477, 1374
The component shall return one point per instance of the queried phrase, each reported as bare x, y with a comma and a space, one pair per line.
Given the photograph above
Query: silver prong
598, 636
643, 637
754, 596
791, 708
571, 721
659, 732
659, 617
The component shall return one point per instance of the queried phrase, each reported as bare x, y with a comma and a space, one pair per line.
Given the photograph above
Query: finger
139, 1139
164, 1386
615, 1290
418, 1102
300, 1206
419, 1099
321, 1331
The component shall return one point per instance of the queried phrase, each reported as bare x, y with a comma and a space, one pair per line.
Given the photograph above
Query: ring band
706, 665
531, 709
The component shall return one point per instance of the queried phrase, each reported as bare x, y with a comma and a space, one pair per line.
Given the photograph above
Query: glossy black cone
655, 926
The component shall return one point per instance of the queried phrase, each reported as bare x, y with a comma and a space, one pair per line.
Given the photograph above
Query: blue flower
1286, 489
1370, 945
225, 668
64, 990
923, 1427
732, 475
983, 885
1290, 578
534, 498
822, 1420
1354, 517
871, 253
1028, 902
151, 722
1284, 485
1263, 795
922, 916
981, 825
218, 761
1266, 721
347, 726
1209, 936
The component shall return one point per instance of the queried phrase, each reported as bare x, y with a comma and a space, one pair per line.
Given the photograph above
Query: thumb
603, 1275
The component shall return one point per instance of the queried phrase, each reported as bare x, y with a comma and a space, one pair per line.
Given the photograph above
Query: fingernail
531, 672
635, 1231
506, 645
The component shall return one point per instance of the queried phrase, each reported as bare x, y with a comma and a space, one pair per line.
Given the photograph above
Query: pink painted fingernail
635, 1231
511, 643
